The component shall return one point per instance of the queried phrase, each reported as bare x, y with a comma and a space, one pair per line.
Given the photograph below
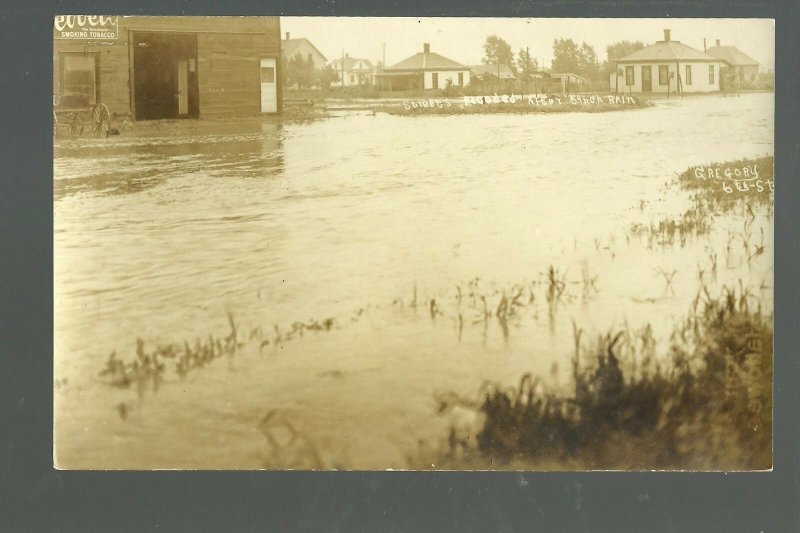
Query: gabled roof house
304, 48
353, 71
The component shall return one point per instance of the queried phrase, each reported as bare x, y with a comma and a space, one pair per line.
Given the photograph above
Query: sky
461, 39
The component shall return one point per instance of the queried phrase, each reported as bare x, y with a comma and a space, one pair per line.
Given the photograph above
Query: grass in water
708, 405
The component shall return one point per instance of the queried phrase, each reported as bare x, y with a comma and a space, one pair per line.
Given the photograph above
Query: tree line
568, 56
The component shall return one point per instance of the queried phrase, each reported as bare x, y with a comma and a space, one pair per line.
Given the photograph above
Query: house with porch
353, 71
423, 70
666, 67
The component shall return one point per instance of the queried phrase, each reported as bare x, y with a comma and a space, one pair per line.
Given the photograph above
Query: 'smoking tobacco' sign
86, 27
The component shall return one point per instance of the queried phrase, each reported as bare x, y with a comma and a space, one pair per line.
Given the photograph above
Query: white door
183, 87
269, 92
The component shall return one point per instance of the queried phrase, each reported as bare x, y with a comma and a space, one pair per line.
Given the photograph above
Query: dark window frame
630, 76
711, 79
73, 98
435, 80
663, 74
688, 75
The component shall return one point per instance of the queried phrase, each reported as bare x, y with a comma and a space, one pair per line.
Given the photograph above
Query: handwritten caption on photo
540, 100
744, 178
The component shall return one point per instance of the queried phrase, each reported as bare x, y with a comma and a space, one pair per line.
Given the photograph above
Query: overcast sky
461, 39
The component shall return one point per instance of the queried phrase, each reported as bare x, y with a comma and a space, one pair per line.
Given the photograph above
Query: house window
352, 78
711, 74
629, 80
663, 75
688, 74
310, 60
460, 79
435, 80
77, 80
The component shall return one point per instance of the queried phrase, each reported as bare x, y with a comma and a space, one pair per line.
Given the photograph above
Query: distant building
304, 48
353, 71
503, 72
423, 70
666, 67
569, 81
735, 62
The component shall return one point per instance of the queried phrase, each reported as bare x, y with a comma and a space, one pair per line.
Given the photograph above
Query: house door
183, 87
647, 80
269, 92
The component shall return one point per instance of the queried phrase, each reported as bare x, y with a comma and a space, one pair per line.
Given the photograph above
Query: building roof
549, 72
505, 71
428, 61
667, 51
731, 55
289, 47
350, 62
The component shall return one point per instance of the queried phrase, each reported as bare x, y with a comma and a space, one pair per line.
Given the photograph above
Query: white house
666, 67
304, 48
424, 70
353, 71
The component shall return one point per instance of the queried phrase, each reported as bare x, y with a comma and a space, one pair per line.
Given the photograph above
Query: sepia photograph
394, 243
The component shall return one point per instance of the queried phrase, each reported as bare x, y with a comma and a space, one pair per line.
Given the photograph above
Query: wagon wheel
75, 124
55, 125
101, 120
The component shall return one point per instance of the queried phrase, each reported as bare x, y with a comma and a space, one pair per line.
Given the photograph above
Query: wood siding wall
228, 49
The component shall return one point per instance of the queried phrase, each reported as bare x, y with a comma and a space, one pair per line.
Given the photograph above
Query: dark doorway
165, 75
647, 79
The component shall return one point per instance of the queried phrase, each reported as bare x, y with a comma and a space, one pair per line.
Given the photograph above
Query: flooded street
392, 227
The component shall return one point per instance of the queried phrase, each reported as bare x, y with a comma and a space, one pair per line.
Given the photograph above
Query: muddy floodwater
392, 229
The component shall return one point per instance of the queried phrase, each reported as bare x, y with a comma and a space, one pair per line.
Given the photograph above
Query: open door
269, 91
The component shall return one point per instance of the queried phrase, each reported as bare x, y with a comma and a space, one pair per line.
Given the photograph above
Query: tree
565, 56
568, 56
325, 76
621, 49
617, 51
526, 65
298, 72
497, 51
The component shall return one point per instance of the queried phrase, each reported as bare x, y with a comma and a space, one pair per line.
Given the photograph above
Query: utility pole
342, 68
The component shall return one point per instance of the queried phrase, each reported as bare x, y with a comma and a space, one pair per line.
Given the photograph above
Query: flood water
357, 218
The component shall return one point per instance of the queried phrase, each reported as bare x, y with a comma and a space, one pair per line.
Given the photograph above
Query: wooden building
150, 68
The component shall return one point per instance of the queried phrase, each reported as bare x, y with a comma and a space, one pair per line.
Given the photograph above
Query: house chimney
717, 42
426, 48
666, 35
287, 35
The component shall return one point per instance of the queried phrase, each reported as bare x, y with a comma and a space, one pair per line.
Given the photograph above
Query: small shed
168, 67
496, 70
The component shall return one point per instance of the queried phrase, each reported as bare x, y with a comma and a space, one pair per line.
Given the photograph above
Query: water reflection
127, 165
